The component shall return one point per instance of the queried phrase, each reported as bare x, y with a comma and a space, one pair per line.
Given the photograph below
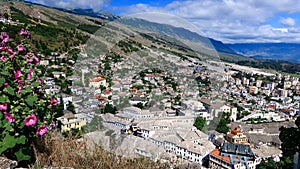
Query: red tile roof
98, 79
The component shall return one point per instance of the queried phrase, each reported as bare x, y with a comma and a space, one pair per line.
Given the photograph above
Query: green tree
71, 107
102, 88
290, 137
95, 124
59, 109
222, 125
200, 123
139, 105
5, 15
110, 109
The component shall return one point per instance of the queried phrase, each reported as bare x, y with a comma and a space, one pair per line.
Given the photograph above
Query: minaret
39, 16
8, 12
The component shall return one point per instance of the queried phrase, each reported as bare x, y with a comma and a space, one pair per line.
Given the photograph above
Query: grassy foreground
54, 150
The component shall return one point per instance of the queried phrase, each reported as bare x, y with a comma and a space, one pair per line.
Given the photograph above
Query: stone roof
238, 149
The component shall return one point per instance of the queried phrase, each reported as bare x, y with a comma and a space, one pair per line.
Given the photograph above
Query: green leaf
2, 81
6, 73
4, 98
20, 140
31, 99
35, 84
10, 90
23, 154
26, 90
7, 143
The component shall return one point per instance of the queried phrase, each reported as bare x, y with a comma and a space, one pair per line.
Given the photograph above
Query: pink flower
22, 31
10, 51
12, 57
17, 74
52, 125
20, 47
36, 60
3, 106
4, 37
3, 58
5, 84
30, 57
9, 117
19, 89
53, 101
3, 48
29, 75
25, 33
30, 120
40, 81
41, 130
29, 60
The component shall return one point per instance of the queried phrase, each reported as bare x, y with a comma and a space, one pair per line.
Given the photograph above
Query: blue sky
230, 21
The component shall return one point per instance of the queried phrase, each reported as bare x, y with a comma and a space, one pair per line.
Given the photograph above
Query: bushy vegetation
290, 137
88, 28
54, 150
26, 112
200, 124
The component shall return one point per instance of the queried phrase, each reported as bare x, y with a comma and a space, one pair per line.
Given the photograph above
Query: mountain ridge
277, 51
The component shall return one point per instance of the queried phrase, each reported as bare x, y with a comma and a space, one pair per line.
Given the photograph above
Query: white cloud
287, 22
233, 20
96, 5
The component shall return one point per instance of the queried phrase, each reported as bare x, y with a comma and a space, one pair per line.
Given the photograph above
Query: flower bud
17, 134
12, 130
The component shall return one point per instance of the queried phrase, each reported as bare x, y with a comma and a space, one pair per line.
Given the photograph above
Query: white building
97, 82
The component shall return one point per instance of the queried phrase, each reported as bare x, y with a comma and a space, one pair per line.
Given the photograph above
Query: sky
231, 21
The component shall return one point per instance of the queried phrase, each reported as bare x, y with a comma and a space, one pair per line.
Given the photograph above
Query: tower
39, 16
8, 12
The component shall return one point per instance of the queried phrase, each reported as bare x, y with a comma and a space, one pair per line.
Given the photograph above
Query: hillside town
151, 112
143, 98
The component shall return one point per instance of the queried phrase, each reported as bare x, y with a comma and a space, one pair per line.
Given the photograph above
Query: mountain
192, 39
277, 51
103, 14
82, 23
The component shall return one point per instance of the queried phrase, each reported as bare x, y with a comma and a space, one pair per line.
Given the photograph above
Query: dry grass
56, 151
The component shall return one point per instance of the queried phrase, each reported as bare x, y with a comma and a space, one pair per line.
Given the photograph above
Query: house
72, 121
49, 81
253, 89
231, 155
66, 99
97, 82
137, 113
236, 136
136, 99
59, 74
216, 107
44, 62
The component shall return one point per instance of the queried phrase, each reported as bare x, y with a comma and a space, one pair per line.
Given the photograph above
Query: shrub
26, 112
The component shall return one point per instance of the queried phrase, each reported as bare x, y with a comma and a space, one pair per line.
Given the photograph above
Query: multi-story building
253, 89
236, 136
237, 156
97, 82
72, 121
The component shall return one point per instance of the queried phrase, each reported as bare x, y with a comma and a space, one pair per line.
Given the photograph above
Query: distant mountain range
278, 51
